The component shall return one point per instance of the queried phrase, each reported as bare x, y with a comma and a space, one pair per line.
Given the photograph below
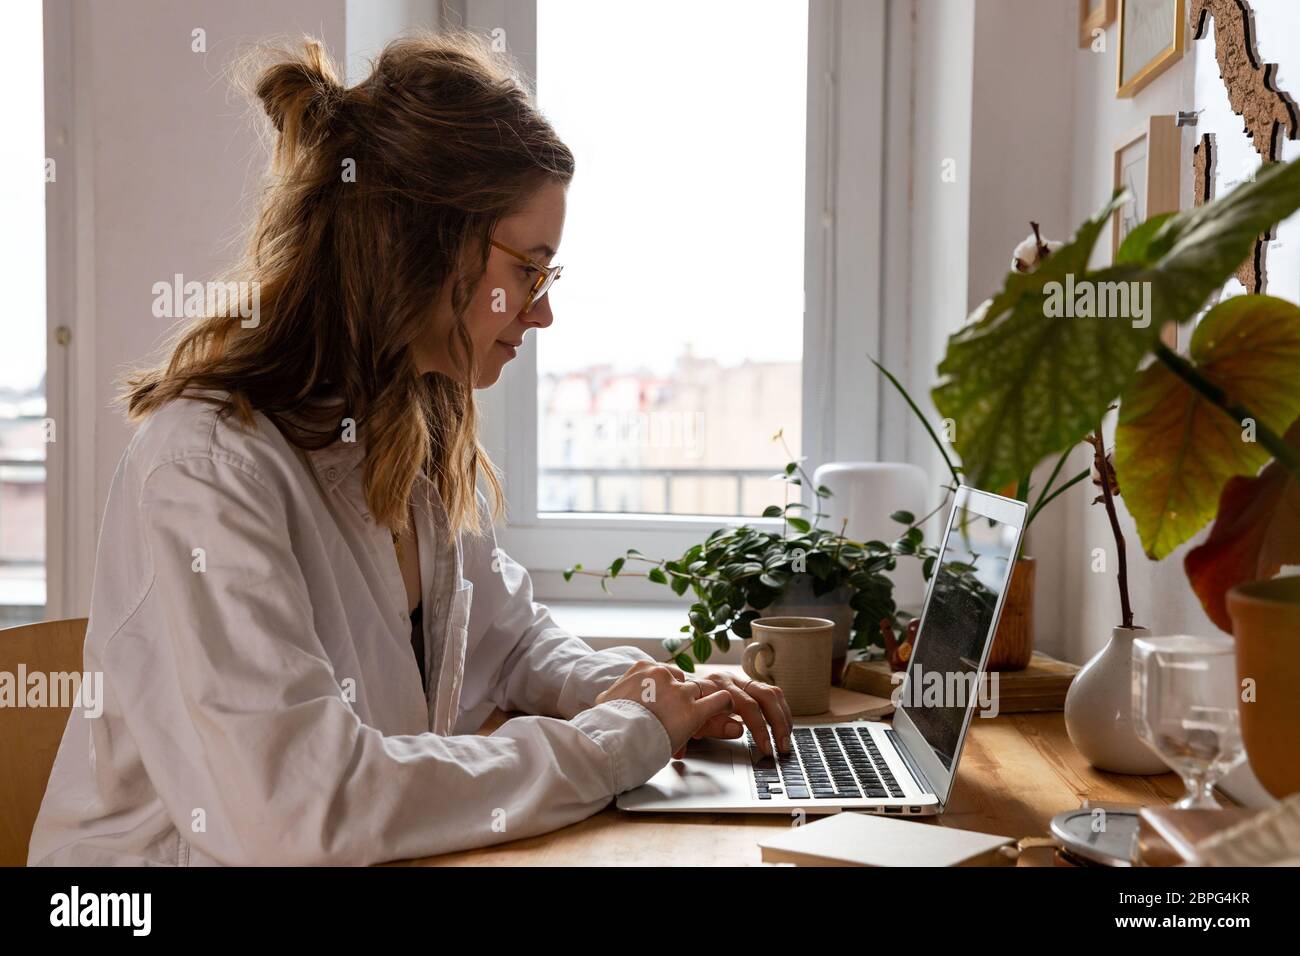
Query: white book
862, 839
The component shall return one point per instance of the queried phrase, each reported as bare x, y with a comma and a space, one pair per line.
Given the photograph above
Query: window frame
844, 200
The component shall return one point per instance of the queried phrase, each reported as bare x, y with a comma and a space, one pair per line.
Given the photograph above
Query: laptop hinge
917, 775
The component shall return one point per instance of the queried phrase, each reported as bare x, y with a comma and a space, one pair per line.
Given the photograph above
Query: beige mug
794, 653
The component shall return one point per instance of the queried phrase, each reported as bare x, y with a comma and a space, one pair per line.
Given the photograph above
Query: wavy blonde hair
444, 141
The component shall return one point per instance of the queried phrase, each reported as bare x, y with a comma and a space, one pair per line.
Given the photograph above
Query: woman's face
495, 318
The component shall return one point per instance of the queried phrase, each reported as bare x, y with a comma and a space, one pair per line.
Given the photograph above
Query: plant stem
956, 477
1216, 396
1044, 502
1060, 463
1103, 469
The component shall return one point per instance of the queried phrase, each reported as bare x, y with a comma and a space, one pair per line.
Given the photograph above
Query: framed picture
1094, 15
1151, 37
1148, 164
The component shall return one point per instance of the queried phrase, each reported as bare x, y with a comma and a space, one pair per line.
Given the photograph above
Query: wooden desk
1017, 772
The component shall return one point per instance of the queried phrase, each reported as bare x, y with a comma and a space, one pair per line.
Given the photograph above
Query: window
23, 426
722, 271
677, 349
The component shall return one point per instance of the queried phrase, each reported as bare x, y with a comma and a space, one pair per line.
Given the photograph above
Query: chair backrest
30, 736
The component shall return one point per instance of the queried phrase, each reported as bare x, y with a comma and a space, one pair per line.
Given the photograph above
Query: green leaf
702, 648
903, 517
1134, 249
616, 566
685, 663
657, 576
1020, 386
680, 585
1174, 449
772, 511
799, 524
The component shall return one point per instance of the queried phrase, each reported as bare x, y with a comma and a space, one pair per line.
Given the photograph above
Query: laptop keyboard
825, 763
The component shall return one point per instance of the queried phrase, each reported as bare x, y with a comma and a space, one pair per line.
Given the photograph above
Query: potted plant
1013, 643
1023, 378
739, 573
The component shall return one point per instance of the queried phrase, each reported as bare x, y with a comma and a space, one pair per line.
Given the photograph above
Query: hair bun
301, 94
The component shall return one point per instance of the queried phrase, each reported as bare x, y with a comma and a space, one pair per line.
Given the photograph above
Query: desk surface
1017, 772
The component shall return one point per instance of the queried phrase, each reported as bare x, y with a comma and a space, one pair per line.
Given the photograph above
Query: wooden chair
30, 736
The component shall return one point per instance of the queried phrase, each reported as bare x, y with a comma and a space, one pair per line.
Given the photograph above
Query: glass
679, 355
546, 275
1185, 706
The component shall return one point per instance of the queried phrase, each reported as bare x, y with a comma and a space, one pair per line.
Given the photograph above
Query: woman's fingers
728, 727
752, 714
775, 709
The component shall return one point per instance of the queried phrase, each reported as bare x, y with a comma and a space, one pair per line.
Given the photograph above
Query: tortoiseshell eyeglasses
546, 275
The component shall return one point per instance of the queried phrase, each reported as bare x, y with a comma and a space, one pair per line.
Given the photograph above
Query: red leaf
1256, 531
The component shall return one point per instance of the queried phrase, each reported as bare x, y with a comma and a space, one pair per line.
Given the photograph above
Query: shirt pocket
452, 672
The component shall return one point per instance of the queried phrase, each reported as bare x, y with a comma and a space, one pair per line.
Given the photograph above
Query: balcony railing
667, 475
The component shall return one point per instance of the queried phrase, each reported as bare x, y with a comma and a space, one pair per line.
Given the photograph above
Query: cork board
1269, 115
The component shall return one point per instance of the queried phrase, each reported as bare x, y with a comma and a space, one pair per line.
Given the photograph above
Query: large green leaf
1174, 449
1019, 385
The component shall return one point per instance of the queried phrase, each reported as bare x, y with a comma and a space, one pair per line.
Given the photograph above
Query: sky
686, 217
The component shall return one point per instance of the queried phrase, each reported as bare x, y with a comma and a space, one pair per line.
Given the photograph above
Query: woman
298, 590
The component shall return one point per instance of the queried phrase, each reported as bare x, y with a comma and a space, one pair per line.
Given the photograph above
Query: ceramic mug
794, 653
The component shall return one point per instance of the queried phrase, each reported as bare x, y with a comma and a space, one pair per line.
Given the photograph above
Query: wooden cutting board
1039, 687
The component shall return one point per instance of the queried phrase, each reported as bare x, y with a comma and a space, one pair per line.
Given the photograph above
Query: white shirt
261, 700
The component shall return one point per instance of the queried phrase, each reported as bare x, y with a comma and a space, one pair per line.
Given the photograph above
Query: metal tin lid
1108, 837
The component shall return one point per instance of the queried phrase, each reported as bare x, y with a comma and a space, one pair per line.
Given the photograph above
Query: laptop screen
942, 676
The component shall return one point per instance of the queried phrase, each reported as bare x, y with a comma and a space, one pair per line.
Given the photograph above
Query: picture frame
1148, 160
1152, 34
1094, 15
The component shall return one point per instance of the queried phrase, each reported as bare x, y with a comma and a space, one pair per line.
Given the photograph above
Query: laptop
870, 766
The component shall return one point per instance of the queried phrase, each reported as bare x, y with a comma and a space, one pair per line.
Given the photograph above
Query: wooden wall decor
1094, 15
1268, 113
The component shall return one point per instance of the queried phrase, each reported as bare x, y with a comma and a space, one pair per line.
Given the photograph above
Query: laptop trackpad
711, 776
706, 772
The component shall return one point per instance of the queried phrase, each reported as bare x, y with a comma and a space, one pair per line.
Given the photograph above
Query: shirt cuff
633, 738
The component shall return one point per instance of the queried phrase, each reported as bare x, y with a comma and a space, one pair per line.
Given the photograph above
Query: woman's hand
758, 706
734, 702
683, 707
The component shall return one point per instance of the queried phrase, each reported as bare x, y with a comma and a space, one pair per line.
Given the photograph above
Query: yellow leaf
1175, 450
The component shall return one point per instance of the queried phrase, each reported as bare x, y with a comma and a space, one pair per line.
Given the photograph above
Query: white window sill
644, 625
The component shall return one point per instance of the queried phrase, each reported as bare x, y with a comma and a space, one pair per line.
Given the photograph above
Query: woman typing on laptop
298, 591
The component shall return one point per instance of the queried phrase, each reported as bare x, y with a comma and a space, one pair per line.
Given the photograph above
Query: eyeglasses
546, 275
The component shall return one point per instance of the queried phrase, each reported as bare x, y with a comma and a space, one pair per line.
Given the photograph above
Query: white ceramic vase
1099, 710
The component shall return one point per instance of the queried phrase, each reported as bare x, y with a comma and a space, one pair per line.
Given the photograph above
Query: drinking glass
1185, 704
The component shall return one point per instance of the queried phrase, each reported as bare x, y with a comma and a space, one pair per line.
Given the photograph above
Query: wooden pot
1266, 624
1013, 644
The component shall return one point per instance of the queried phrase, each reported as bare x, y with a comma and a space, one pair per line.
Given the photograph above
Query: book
861, 839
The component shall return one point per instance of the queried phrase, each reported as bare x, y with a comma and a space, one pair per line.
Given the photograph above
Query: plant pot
1099, 710
1013, 644
1266, 625
798, 600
